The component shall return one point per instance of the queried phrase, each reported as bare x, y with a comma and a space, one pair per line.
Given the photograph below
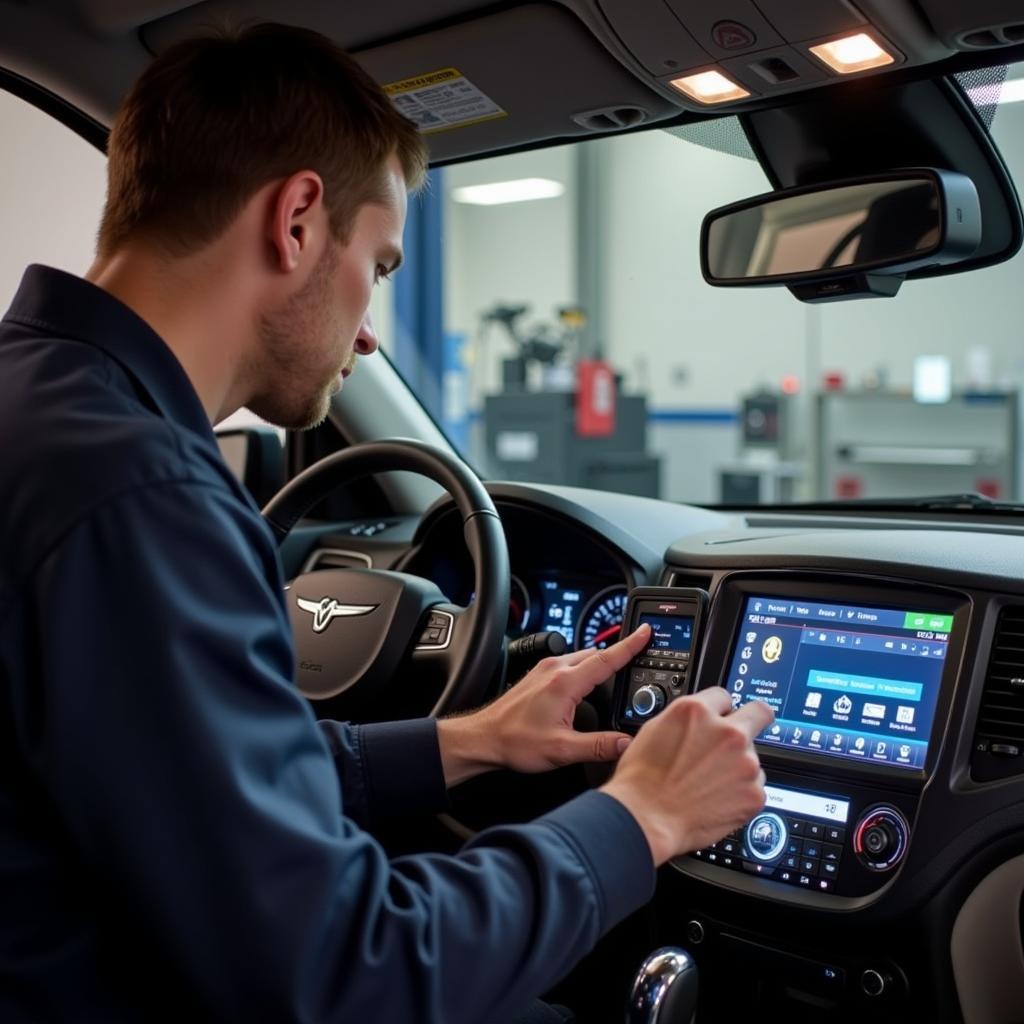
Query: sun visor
484, 84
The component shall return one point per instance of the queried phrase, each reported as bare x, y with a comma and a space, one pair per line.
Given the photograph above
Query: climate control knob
648, 699
880, 838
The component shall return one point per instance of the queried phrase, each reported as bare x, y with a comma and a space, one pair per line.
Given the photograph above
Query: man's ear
296, 215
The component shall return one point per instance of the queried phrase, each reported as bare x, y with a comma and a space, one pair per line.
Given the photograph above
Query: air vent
609, 119
999, 735
992, 36
337, 558
689, 579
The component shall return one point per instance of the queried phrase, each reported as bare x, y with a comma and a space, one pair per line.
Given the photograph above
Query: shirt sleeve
191, 777
373, 761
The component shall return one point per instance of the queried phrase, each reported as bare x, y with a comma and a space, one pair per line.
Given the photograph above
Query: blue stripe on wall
728, 416
721, 417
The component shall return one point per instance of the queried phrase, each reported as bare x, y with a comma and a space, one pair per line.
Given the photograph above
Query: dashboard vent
999, 735
336, 558
690, 579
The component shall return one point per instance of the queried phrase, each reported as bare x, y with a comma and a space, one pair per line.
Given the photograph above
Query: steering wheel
358, 629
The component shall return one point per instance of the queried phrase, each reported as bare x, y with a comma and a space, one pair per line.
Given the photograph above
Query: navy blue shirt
179, 838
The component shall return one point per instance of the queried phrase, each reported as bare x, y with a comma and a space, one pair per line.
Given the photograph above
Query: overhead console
861, 678
731, 52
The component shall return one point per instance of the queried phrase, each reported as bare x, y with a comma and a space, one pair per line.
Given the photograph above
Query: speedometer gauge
601, 621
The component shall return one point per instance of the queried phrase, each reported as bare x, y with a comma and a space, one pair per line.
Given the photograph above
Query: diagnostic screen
845, 680
670, 634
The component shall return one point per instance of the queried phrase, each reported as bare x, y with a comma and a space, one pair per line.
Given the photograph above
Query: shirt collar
70, 307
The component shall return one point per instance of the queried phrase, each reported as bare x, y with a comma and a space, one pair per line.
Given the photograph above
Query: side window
52, 187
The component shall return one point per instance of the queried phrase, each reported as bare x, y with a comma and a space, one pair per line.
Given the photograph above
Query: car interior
711, 320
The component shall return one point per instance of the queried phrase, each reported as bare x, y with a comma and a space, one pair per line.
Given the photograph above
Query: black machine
661, 672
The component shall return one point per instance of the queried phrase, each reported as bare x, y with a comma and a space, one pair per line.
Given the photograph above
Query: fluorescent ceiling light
710, 87
1011, 91
518, 191
853, 53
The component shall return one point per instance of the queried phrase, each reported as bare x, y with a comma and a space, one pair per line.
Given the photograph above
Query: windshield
580, 345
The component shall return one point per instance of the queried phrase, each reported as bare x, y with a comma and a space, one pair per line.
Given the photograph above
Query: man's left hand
530, 727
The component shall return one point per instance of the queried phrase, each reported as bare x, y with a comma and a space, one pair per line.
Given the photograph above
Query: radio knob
880, 839
648, 699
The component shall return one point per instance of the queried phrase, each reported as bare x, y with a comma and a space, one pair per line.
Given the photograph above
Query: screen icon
874, 711
738, 685
743, 669
813, 700
823, 637
859, 742
751, 637
837, 740
880, 748
905, 751
798, 734
889, 645
771, 651
757, 606
747, 653
736, 700
843, 705
776, 729
816, 736
905, 715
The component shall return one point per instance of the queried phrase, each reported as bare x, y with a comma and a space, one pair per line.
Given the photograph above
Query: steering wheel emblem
326, 610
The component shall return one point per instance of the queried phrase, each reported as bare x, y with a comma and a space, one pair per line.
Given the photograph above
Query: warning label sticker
441, 100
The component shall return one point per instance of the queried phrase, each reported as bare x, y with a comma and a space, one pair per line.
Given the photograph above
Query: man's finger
596, 669
716, 699
753, 717
575, 657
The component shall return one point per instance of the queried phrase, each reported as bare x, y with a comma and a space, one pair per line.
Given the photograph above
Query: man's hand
529, 728
691, 775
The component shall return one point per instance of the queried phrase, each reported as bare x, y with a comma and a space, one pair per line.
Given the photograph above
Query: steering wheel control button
880, 838
767, 836
437, 632
648, 700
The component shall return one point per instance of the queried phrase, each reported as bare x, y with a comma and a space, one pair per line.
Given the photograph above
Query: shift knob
665, 989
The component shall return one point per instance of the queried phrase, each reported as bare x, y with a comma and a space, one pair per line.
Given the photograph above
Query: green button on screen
927, 620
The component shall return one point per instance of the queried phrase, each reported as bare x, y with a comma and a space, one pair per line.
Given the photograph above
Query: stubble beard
288, 341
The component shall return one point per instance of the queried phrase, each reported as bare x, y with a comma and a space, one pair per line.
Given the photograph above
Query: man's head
272, 148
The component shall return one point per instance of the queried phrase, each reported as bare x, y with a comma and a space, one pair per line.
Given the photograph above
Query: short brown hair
214, 119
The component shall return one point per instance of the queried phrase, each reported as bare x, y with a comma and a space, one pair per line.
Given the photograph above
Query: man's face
310, 343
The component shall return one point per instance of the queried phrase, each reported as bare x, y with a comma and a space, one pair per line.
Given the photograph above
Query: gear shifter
665, 989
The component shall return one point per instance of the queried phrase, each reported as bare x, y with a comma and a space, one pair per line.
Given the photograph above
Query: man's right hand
691, 775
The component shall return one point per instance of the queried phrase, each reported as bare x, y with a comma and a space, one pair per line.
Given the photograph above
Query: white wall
512, 254
52, 187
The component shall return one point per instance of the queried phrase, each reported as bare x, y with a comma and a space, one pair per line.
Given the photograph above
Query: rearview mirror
843, 239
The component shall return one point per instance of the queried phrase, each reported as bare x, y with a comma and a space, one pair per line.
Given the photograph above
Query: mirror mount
853, 286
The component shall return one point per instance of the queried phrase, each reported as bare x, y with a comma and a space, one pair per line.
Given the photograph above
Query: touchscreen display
845, 680
670, 634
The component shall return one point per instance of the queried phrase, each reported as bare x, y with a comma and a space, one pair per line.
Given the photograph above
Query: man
179, 840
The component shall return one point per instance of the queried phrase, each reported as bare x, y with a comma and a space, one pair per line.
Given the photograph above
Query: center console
861, 677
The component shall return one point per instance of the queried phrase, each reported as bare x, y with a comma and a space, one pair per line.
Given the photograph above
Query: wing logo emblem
326, 610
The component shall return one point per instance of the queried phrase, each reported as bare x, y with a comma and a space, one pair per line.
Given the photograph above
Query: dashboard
886, 872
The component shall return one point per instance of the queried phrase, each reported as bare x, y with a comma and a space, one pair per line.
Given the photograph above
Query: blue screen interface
670, 634
845, 680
